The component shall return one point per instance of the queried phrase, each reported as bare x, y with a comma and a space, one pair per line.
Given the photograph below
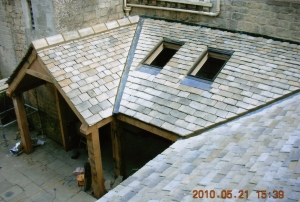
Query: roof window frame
224, 55
165, 43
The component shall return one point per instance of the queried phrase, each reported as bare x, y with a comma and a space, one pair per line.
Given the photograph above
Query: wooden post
116, 132
93, 143
62, 118
22, 123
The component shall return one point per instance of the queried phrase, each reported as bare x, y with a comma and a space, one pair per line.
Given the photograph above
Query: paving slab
34, 177
11, 193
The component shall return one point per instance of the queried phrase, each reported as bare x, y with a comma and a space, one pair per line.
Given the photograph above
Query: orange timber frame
32, 74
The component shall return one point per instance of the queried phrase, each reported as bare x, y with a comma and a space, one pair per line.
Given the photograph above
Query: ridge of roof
126, 70
84, 32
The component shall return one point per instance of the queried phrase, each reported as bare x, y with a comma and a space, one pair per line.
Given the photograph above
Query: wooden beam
17, 80
22, 89
38, 70
93, 142
22, 123
21, 73
86, 129
38, 75
60, 104
153, 129
116, 131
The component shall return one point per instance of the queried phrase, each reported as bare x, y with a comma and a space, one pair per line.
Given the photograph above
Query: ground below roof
49, 168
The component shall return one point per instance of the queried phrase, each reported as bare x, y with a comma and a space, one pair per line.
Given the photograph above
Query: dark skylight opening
163, 57
163, 54
211, 64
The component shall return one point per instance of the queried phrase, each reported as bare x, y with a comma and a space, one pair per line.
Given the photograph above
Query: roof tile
71, 35
56, 39
86, 31
99, 28
112, 25
40, 43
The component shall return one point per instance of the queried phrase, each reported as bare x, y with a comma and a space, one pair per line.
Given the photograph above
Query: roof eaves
20, 65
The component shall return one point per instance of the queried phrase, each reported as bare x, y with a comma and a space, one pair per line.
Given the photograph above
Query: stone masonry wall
43, 19
76, 14
43, 98
50, 18
280, 19
12, 36
16, 31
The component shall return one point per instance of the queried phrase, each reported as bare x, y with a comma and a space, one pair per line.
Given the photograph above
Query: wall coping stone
56, 39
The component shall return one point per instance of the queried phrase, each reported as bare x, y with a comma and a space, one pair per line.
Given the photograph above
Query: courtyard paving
45, 175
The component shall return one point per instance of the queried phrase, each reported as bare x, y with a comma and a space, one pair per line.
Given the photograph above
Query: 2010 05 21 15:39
242, 194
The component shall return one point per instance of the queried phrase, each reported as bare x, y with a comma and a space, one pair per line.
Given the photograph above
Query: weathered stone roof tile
88, 69
251, 77
215, 160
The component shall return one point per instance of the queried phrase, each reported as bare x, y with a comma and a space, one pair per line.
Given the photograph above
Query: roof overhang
29, 74
32, 73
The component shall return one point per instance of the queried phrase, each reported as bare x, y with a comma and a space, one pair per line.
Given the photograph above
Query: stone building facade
22, 21
275, 18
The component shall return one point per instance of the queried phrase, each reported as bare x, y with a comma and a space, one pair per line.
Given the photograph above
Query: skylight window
163, 53
211, 64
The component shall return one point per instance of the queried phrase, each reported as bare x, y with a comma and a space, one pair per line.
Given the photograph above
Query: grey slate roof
256, 152
260, 151
258, 72
88, 69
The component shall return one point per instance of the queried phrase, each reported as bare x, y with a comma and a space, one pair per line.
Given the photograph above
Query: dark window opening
31, 14
139, 147
210, 68
163, 53
211, 64
164, 57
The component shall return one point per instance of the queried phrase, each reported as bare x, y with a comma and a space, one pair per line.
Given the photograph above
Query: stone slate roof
88, 69
256, 152
259, 72
260, 151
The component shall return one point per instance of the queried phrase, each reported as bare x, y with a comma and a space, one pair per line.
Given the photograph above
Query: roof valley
127, 67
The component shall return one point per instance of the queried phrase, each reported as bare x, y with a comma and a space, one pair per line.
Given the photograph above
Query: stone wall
12, 36
17, 32
44, 23
49, 18
279, 19
76, 14
43, 98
